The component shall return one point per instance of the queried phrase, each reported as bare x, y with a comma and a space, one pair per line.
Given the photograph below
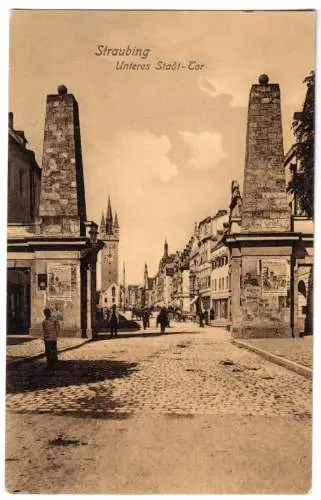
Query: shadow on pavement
19, 339
106, 336
124, 324
34, 375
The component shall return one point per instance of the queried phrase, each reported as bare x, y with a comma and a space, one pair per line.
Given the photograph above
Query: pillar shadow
34, 375
18, 339
124, 325
142, 334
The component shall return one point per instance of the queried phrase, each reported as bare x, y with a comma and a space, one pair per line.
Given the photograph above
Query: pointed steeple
116, 225
102, 223
165, 249
109, 218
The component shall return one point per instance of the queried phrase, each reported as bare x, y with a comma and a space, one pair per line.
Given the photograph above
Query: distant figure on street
199, 311
113, 321
105, 314
145, 318
51, 330
162, 319
205, 316
212, 314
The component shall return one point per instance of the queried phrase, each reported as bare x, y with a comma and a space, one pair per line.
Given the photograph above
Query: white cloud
237, 89
142, 152
206, 149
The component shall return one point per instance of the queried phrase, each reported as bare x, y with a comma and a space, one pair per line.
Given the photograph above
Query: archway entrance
305, 300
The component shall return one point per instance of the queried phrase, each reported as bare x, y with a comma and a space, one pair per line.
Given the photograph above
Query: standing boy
51, 329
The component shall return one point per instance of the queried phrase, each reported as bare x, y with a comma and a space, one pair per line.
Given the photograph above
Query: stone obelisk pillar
265, 207
61, 254
62, 198
261, 250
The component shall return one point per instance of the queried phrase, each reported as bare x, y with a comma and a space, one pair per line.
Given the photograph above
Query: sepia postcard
160, 252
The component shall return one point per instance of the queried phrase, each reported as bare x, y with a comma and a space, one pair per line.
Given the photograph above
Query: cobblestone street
186, 376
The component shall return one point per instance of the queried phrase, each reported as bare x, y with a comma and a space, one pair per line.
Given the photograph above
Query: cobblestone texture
185, 372
299, 350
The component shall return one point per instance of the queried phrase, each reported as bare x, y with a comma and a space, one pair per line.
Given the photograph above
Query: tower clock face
108, 257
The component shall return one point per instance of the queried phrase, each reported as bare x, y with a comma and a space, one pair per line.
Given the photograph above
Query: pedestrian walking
145, 319
51, 330
162, 319
113, 321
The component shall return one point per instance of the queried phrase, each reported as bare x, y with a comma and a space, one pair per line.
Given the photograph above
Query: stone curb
286, 363
41, 355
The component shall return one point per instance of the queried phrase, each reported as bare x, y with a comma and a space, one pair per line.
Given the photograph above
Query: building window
215, 285
105, 300
113, 291
226, 282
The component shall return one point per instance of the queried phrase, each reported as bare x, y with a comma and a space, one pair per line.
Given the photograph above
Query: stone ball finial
62, 89
263, 79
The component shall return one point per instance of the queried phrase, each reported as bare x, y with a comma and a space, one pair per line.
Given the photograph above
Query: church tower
109, 234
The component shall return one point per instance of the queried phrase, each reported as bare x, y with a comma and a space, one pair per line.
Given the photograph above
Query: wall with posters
61, 291
265, 295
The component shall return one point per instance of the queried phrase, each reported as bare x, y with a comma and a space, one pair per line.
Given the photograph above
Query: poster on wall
59, 280
274, 276
57, 309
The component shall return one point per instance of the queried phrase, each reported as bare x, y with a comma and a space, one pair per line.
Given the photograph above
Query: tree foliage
302, 182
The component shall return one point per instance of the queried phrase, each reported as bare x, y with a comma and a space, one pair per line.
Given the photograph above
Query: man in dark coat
113, 321
162, 319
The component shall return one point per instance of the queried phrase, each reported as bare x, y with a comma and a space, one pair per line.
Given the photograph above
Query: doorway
305, 300
18, 300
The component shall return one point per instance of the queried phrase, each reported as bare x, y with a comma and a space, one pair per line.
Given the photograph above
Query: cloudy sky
165, 144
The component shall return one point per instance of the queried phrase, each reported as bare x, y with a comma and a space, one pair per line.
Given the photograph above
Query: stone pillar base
262, 332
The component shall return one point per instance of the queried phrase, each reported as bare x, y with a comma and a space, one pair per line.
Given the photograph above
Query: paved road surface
178, 413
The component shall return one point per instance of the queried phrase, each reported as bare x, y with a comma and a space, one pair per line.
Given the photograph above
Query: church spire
165, 248
116, 225
102, 223
109, 218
